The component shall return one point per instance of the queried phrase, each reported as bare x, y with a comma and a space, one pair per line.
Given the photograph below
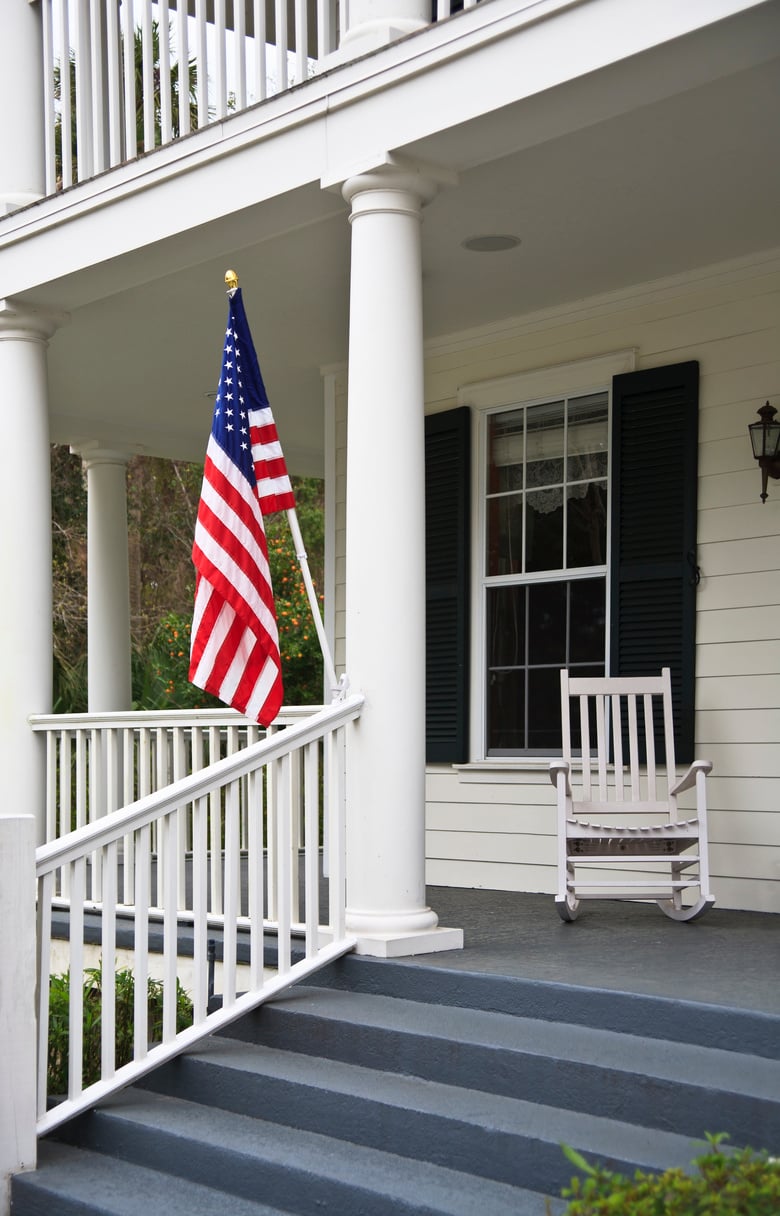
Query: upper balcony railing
122, 77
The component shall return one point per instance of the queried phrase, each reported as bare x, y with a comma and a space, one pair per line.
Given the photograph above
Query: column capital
26, 322
420, 180
92, 452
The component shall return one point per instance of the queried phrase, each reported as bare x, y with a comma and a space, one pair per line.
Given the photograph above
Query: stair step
489, 1135
670, 1086
76, 1182
653, 1017
308, 1174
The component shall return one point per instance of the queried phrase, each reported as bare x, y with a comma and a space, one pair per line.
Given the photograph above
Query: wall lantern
765, 438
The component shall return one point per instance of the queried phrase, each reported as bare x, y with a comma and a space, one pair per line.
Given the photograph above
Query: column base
371, 36
401, 945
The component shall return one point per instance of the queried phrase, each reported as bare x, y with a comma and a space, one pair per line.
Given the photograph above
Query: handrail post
18, 1141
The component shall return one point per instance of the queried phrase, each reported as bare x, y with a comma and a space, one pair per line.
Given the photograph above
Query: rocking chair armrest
562, 768
688, 779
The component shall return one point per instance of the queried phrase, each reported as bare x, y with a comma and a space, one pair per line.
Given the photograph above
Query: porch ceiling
641, 188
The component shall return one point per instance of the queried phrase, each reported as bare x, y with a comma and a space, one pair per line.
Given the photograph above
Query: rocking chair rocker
658, 856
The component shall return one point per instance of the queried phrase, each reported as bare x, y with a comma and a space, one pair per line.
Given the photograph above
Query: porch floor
726, 958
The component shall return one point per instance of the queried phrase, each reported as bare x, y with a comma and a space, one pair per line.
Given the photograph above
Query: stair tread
85, 1181
245, 1141
592, 1134
753, 1076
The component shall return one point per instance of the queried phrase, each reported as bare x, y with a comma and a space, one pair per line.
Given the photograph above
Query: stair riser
629, 1097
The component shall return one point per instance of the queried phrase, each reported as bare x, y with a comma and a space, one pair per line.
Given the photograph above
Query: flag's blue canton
230, 427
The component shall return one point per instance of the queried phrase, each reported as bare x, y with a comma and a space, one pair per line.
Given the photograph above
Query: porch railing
258, 796
125, 76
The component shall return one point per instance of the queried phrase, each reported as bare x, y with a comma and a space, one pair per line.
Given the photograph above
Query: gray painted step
655, 1017
675, 1087
74, 1182
488, 1135
307, 1174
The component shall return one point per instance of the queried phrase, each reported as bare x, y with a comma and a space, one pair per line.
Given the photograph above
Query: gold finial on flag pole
231, 280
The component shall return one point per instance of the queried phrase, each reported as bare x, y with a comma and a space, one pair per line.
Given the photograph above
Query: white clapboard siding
724, 726
739, 590
727, 319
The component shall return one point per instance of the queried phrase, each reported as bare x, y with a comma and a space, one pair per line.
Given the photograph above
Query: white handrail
256, 784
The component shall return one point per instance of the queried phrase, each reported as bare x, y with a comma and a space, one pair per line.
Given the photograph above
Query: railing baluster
202, 62
239, 46
129, 753
255, 877
51, 784
261, 69
128, 71
199, 907
170, 876
84, 93
220, 66
147, 73
164, 72
178, 748
66, 102
229, 938
301, 41
114, 83
76, 954
97, 806
215, 824
46, 887
97, 77
280, 12
336, 833
49, 112
284, 842
141, 944
311, 844
183, 66
108, 963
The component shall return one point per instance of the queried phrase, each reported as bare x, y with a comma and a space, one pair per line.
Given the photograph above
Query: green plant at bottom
738, 1183
59, 1013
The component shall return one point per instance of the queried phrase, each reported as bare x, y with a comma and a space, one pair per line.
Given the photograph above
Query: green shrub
59, 998
738, 1183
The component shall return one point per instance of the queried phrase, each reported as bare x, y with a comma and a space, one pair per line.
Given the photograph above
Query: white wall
492, 825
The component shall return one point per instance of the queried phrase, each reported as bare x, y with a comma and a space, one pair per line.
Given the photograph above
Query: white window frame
485, 397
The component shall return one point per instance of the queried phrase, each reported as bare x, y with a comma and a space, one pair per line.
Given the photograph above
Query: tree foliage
162, 504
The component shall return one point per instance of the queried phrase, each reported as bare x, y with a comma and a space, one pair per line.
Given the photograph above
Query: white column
108, 580
22, 160
385, 600
375, 23
25, 558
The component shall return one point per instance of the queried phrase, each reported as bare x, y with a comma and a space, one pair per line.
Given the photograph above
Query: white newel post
385, 580
108, 580
18, 1141
25, 558
22, 157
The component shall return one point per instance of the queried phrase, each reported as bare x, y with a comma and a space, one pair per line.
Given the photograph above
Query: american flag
235, 644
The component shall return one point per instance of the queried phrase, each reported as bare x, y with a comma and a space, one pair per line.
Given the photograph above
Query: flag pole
337, 687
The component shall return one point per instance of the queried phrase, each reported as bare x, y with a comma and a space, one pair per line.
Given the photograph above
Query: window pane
544, 709
506, 711
505, 534
547, 623
544, 455
586, 524
506, 626
544, 530
587, 621
587, 437
505, 452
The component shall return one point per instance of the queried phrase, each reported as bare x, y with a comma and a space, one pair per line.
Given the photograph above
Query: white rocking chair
652, 853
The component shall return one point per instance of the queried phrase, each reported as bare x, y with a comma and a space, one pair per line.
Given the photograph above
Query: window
545, 485
556, 569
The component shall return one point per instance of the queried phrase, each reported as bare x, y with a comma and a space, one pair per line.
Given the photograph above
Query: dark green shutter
447, 564
653, 584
